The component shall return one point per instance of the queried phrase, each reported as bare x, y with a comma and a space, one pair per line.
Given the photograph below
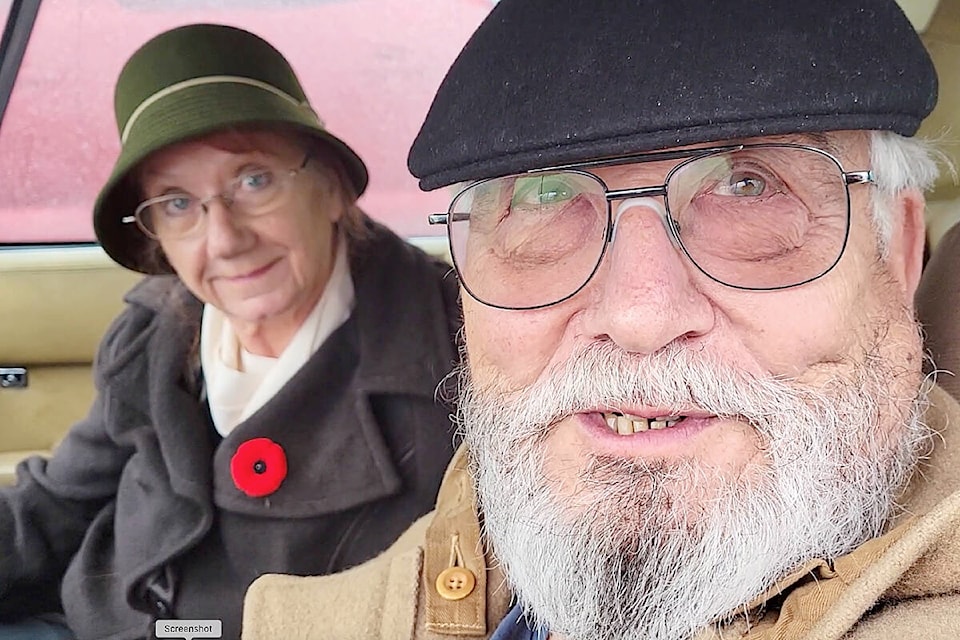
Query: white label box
189, 629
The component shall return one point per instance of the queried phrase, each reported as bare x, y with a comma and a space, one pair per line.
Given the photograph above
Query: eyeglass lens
762, 217
179, 214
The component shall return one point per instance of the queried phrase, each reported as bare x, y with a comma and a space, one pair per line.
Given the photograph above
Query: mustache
602, 376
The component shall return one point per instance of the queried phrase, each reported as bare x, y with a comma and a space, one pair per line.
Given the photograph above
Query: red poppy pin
258, 467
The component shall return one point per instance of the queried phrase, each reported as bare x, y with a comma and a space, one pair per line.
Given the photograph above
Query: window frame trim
13, 46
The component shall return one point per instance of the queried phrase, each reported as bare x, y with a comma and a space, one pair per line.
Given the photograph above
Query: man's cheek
788, 338
792, 356
504, 346
498, 361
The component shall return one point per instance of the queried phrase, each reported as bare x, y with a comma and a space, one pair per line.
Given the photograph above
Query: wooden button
455, 583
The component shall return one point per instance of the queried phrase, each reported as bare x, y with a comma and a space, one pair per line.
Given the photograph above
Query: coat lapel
161, 389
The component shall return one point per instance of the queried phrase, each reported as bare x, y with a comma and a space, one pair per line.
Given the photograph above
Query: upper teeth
625, 424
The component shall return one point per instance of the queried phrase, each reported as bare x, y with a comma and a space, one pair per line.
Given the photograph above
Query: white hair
900, 163
633, 548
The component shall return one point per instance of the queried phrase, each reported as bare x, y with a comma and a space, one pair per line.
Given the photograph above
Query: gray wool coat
136, 516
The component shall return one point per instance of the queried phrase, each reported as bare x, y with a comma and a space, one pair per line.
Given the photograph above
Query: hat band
204, 80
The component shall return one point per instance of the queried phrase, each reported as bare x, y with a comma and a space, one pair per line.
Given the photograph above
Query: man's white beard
638, 551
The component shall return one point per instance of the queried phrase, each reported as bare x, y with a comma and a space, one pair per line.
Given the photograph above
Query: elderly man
689, 234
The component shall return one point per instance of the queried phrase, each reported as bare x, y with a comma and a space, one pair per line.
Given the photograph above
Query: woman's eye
255, 181
177, 205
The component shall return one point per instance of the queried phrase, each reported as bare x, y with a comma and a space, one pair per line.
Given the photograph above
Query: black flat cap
544, 82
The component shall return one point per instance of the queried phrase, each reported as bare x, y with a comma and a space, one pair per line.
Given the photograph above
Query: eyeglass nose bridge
640, 193
227, 197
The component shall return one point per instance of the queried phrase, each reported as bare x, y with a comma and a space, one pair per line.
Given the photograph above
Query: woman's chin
261, 310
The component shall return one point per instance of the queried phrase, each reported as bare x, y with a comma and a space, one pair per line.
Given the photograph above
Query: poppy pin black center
259, 466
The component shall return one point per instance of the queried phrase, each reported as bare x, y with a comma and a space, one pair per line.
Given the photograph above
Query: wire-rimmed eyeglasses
750, 216
179, 214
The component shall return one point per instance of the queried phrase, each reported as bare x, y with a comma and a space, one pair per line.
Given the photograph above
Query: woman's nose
226, 232
644, 297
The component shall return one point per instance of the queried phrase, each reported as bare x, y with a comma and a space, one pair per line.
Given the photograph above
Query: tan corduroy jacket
903, 585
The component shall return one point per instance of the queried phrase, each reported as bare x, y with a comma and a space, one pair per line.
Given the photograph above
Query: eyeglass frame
135, 218
688, 155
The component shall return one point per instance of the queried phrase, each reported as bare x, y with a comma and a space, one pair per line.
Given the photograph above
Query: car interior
58, 60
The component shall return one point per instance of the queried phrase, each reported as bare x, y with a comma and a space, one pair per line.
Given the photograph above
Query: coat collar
453, 542
151, 374
388, 274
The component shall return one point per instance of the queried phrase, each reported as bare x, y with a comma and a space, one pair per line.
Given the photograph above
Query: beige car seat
938, 308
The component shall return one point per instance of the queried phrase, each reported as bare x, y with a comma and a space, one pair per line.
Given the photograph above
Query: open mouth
626, 424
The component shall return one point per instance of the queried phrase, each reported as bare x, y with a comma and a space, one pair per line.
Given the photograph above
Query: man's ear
907, 241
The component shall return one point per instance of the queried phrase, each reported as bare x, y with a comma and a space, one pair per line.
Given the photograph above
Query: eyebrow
821, 140
246, 159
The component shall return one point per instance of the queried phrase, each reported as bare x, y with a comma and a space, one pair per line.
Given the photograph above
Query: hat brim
192, 113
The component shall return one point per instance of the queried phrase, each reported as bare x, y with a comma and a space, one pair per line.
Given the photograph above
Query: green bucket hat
185, 83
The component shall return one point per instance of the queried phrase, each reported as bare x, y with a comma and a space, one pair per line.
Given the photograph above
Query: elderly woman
267, 399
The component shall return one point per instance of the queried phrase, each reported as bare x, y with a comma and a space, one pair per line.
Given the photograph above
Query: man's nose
643, 295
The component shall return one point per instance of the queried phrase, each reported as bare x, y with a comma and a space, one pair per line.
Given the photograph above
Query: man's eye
542, 191
745, 186
256, 181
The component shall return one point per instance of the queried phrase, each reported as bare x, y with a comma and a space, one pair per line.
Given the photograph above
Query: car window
370, 68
